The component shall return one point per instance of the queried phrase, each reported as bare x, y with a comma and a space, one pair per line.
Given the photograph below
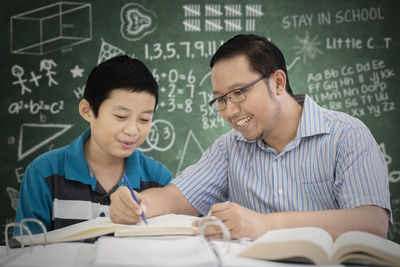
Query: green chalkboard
344, 54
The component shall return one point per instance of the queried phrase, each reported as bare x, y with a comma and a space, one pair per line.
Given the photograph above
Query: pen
128, 184
211, 203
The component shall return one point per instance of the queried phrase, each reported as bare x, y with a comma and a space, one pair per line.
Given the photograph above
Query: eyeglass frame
241, 90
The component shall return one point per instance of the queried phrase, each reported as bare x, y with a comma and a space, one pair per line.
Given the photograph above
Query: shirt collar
311, 121
76, 166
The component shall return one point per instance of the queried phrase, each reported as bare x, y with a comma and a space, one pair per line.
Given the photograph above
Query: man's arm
153, 202
243, 222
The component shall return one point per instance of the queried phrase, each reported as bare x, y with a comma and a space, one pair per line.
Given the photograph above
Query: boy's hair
264, 57
121, 72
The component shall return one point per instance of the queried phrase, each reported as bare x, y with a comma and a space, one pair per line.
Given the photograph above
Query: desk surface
84, 255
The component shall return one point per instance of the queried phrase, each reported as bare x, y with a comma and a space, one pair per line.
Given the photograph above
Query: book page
309, 234
357, 242
169, 224
312, 243
79, 231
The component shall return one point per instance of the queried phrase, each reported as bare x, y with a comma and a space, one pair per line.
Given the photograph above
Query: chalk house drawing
50, 28
25, 127
137, 22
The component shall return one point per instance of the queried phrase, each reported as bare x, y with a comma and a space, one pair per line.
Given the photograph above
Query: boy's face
123, 122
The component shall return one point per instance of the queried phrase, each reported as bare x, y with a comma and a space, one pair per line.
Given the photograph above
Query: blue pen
133, 195
211, 203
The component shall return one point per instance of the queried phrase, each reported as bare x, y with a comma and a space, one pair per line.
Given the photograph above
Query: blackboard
344, 54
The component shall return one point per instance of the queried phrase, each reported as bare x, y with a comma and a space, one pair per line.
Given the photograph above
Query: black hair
264, 57
121, 72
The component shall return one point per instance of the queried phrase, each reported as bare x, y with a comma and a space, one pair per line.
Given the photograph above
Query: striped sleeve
207, 180
361, 173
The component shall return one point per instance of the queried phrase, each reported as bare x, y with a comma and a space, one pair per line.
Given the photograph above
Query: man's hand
124, 209
241, 222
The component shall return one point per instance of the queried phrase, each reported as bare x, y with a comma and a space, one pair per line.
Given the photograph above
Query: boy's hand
124, 209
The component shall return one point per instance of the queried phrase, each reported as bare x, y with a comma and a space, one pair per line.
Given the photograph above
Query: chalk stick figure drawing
18, 71
137, 21
47, 65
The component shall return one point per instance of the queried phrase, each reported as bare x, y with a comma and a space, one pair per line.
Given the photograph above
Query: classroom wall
344, 54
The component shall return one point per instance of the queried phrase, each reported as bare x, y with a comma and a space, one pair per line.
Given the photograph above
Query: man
286, 163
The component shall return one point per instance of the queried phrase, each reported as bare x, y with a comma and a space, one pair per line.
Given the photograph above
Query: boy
73, 183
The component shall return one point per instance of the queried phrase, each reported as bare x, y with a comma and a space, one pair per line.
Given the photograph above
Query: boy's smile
122, 124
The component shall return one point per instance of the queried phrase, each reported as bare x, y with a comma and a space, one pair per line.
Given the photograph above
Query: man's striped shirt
333, 162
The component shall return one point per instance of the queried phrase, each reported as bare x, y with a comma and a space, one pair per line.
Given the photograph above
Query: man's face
256, 116
123, 122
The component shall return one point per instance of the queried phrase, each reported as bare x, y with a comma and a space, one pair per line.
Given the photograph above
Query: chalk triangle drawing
108, 51
190, 139
45, 140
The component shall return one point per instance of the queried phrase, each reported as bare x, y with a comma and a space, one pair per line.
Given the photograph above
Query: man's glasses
235, 96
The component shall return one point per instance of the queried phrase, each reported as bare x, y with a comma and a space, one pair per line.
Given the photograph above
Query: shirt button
280, 191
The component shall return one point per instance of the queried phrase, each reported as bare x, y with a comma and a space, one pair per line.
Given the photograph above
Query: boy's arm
35, 201
154, 201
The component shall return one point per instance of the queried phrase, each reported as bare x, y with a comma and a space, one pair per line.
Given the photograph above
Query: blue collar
77, 168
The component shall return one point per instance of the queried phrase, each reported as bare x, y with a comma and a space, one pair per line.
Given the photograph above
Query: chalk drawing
22, 154
189, 140
161, 136
13, 194
394, 176
76, 72
137, 22
308, 48
47, 65
18, 71
108, 51
52, 28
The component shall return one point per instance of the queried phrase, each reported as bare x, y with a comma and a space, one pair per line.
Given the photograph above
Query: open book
312, 244
170, 224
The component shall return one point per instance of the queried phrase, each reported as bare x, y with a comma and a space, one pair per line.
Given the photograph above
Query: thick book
315, 245
170, 224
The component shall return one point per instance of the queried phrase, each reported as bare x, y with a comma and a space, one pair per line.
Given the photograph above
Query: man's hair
264, 57
121, 72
